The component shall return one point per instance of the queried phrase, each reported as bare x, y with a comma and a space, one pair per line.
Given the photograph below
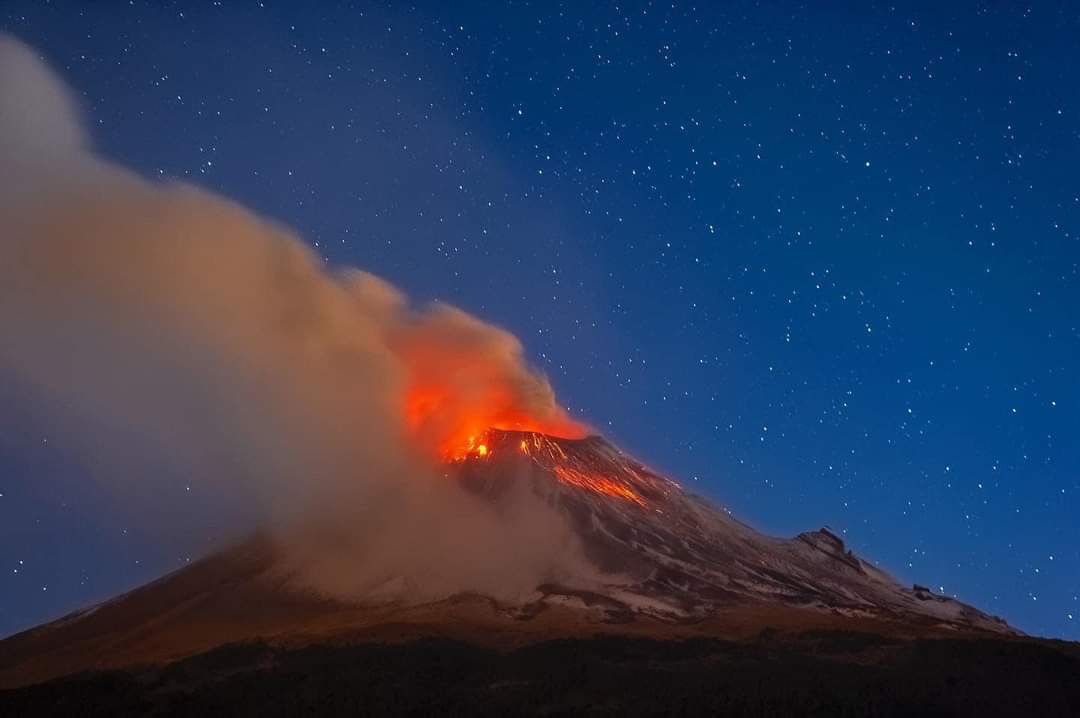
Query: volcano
676, 565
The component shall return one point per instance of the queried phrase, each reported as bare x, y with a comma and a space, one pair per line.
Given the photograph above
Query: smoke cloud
176, 334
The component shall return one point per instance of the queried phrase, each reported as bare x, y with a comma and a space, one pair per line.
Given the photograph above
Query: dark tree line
816, 674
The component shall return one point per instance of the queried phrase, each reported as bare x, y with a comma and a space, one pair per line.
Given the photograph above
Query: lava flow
558, 457
597, 484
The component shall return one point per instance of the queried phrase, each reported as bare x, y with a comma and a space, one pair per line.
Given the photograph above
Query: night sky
820, 264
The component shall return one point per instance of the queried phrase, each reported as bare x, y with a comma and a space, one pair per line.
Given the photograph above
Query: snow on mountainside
684, 558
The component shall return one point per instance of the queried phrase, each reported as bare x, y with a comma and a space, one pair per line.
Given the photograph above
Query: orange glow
456, 400
453, 431
461, 377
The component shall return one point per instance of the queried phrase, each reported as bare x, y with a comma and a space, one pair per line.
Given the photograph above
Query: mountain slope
676, 566
685, 558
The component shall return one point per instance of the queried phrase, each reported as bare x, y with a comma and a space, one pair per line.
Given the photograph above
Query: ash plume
175, 333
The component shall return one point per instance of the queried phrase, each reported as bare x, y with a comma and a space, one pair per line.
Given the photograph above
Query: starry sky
820, 263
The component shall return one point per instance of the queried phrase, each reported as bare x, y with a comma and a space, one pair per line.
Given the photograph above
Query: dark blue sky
819, 263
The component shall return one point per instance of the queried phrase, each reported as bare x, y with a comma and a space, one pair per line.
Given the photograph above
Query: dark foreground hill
824, 673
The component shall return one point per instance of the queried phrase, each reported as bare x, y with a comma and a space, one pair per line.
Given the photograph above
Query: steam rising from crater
175, 333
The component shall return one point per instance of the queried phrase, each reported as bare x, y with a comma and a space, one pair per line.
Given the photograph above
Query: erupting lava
460, 421
464, 377
454, 431
473, 447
